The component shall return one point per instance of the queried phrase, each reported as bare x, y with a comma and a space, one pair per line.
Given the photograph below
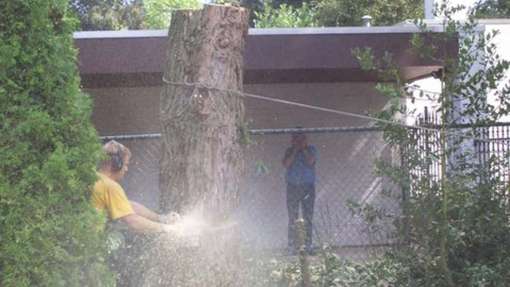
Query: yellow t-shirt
109, 196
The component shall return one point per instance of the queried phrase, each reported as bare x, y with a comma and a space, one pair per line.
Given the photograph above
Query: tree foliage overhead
50, 234
383, 12
131, 14
336, 12
285, 15
109, 14
493, 9
159, 12
155, 14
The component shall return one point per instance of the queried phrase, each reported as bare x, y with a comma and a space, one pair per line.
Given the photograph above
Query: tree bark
201, 165
201, 155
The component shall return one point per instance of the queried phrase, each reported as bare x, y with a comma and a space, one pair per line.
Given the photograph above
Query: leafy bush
158, 13
328, 269
285, 16
108, 14
492, 9
383, 12
454, 229
50, 234
336, 13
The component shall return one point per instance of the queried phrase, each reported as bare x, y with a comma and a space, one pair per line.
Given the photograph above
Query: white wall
430, 87
502, 42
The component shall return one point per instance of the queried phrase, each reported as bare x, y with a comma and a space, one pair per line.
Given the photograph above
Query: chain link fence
346, 183
346, 180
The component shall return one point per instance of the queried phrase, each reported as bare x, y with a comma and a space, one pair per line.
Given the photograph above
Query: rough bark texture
201, 160
201, 165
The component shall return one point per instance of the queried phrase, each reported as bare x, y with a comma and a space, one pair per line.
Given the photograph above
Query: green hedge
49, 233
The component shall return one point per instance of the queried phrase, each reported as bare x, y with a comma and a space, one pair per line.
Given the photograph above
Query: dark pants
304, 196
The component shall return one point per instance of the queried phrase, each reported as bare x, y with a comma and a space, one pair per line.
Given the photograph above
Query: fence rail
254, 132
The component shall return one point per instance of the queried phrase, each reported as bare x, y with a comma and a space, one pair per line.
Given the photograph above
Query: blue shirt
299, 171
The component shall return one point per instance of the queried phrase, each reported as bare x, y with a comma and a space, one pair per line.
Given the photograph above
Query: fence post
427, 144
404, 164
303, 258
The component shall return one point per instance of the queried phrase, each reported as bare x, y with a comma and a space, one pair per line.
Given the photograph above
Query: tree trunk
201, 155
201, 165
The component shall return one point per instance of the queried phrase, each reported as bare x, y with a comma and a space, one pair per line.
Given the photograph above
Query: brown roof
136, 58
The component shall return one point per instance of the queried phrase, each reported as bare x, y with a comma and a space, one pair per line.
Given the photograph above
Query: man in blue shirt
299, 160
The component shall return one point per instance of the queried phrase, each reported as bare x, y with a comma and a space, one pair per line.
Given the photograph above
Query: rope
318, 108
291, 103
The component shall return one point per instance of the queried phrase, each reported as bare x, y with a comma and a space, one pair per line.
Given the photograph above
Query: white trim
337, 30
120, 34
439, 22
257, 31
403, 27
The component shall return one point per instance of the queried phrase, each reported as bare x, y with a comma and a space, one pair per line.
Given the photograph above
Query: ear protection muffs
117, 162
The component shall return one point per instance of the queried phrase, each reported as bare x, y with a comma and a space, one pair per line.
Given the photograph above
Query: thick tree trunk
201, 156
201, 165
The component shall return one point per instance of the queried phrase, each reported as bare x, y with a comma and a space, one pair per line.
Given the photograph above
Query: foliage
244, 134
328, 269
383, 12
109, 14
158, 13
50, 234
335, 12
454, 230
285, 16
277, 3
493, 9
228, 2
261, 168
258, 5
134, 14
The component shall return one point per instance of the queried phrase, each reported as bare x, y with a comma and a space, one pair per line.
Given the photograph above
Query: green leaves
158, 13
365, 58
454, 226
48, 154
383, 12
109, 14
285, 16
492, 9
331, 270
336, 13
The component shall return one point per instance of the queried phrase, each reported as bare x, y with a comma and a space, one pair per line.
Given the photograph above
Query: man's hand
189, 237
169, 218
167, 228
288, 159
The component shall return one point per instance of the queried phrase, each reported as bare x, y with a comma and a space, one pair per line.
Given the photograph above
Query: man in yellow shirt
108, 196
124, 215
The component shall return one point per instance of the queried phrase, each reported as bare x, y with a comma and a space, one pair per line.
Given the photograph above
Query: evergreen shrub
50, 235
